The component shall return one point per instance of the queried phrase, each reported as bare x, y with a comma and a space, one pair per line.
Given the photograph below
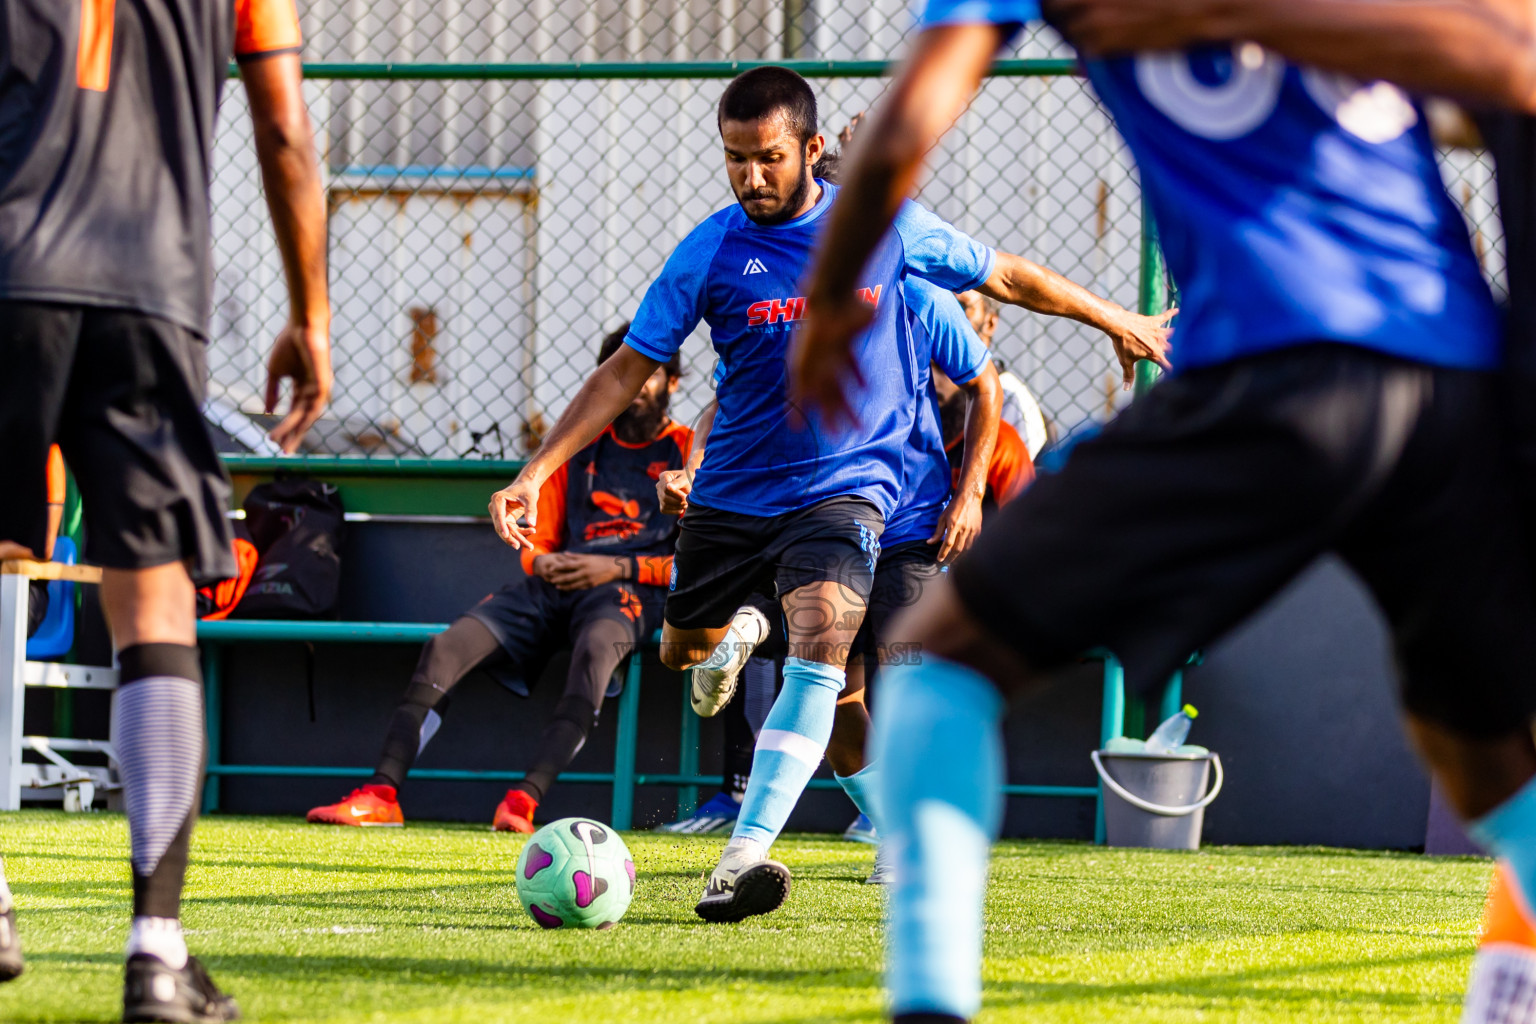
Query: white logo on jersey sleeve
1376, 111
1229, 110
754, 266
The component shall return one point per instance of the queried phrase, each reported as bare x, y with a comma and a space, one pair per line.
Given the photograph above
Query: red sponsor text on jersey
772, 311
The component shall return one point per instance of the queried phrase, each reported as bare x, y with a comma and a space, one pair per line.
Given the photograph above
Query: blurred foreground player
1482, 53
595, 572
1334, 393
105, 273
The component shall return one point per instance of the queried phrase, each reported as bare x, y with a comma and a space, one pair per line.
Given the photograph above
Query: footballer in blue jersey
1332, 393
785, 502
928, 528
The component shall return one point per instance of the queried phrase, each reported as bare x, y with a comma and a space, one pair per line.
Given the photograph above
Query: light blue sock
940, 749
789, 747
1509, 831
861, 788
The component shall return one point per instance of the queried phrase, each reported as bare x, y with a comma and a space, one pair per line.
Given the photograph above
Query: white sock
5, 891
159, 937
748, 848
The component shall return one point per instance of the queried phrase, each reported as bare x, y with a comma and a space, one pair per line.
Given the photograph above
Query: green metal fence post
1111, 724
687, 756
626, 748
1151, 296
213, 715
1173, 696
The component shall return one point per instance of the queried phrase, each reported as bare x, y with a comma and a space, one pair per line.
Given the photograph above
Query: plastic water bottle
1172, 732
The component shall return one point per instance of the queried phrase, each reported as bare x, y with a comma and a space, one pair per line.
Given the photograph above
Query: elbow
286, 132
986, 387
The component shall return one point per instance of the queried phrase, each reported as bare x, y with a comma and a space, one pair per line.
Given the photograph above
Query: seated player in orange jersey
596, 579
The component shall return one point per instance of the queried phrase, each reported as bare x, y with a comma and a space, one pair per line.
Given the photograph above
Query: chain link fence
505, 180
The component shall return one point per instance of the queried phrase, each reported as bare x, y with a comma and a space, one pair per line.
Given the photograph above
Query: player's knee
934, 624
679, 655
939, 625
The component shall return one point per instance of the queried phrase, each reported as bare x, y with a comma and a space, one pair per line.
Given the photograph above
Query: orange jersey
603, 501
1009, 472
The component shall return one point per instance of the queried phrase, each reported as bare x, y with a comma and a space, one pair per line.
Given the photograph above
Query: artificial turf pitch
313, 923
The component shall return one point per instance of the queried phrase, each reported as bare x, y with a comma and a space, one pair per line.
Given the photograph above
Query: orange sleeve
1011, 470
654, 570
56, 480
683, 436
549, 532
264, 28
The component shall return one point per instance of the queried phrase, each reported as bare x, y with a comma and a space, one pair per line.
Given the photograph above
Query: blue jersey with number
743, 280
942, 335
1293, 205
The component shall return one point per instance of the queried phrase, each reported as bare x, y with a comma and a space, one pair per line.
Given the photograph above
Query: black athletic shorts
532, 619
1209, 494
122, 395
723, 558
901, 575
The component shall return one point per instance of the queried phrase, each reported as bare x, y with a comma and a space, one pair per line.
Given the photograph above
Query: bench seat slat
231, 630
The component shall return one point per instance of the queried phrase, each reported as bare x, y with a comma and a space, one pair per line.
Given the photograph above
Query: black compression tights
447, 658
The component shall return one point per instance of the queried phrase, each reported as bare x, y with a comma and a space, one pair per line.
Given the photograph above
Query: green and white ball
575, 873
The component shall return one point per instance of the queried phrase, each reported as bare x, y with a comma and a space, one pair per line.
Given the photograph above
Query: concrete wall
1299, 702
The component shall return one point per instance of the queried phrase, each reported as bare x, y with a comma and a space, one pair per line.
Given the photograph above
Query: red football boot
368, 805
515, 812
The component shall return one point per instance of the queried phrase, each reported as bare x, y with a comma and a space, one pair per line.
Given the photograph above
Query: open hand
301, 354
520, 498
1141, 337
957, 528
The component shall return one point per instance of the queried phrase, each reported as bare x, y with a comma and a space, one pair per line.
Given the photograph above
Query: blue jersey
1293, 205
743, 280
942, 334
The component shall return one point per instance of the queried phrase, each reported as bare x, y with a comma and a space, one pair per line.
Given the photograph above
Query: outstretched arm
1018, 281
606, 393
938, 80
1478, 50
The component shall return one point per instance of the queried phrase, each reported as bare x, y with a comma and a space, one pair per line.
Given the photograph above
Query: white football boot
714, 682
885, 871
745, 883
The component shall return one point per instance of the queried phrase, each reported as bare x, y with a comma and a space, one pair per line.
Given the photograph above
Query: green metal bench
215, 636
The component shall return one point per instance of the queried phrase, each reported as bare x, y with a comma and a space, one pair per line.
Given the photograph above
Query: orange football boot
515, 812
367, 806
1502, 989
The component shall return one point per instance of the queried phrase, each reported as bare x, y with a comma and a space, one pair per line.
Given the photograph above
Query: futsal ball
575, 873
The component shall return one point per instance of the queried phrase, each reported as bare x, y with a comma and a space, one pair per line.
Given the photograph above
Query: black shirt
107, 114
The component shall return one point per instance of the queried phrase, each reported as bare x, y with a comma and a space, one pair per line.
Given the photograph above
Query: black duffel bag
296, 525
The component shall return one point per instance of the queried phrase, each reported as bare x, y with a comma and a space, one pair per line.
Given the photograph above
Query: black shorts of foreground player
104, 304
1296, 427
768, 470
595, 570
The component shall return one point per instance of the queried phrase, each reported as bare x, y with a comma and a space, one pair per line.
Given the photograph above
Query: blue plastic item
56, 635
